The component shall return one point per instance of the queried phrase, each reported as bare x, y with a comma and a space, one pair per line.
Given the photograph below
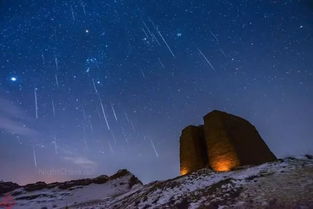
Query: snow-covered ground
57, 197
286, 183
275, 185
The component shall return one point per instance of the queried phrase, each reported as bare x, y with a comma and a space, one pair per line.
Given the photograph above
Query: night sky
90, 87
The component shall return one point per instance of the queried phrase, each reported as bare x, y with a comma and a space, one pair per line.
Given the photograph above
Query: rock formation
192, 154
223, 143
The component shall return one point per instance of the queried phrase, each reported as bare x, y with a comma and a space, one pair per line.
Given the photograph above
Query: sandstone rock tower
224, 142
193, 154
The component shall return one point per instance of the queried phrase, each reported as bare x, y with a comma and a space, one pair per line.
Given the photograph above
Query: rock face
232, 141
228, 141
192, 154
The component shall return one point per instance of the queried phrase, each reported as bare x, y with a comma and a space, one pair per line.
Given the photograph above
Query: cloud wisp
15, 121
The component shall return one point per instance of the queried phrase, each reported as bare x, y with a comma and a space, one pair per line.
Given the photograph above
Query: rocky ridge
285, 183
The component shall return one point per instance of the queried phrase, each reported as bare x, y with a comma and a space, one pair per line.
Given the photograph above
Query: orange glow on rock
223, 166
225, 162
183, 171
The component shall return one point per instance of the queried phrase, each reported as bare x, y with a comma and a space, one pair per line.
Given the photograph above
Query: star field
90, 87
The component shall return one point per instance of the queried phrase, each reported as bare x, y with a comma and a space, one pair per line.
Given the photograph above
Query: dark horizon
91, 87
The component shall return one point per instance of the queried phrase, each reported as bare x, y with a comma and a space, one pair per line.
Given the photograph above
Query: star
13, 78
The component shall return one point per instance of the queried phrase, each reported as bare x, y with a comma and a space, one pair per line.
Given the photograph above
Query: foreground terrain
286, 183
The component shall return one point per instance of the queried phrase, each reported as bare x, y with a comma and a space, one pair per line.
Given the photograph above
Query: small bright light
87, 31
13, 79
183, 171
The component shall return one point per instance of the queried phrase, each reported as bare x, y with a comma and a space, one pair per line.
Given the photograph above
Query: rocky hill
285, 183
70, 193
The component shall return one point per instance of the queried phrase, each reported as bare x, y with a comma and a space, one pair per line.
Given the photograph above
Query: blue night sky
89, 87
